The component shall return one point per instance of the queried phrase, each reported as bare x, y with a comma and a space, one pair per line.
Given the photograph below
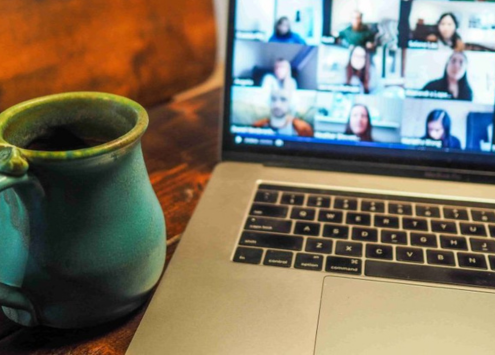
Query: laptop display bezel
479, 167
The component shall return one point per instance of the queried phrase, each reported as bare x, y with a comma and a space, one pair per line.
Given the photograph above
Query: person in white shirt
281, 77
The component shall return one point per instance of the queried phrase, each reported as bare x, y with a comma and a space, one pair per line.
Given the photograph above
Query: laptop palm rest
373, 317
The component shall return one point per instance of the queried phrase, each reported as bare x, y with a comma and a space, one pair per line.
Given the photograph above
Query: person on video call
358, 34
281, 77
454, 80
281, 120
438, 125
360, 70
283, 33
359, 123
446, 33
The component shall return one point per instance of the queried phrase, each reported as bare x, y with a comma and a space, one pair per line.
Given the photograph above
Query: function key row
374, 206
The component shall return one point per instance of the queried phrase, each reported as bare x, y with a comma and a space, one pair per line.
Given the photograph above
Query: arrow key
444, 227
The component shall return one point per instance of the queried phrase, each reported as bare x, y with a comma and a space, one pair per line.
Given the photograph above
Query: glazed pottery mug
82, 234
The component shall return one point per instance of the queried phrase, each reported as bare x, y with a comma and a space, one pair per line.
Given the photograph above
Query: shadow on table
105, 339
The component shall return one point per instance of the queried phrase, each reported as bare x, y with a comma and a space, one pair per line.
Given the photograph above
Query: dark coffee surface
61, 139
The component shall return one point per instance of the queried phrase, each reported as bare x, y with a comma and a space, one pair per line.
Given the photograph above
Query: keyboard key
473, 229
344, 265
373, 206
472, 260
428, 211
458, 214
399, 208
278, 259
444, 258
269, 211
410, 255
335, 231
483, 216
443, 227
292, 199
386, 222
423, 273
359, 219
272, 241
365, 234
424, 240
266, 196
349, 249
331, 216
483, 246
491, 228
491, 259
268, 225
319, 246
393, 237
415, 224
346, 204
383, 252
309, 262
310, 229
248, 255
319, 201
303, 214
456, 243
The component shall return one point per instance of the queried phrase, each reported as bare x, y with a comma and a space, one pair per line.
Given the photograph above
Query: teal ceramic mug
82, 234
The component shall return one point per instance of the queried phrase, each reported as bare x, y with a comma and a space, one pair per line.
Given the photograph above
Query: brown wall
148, 50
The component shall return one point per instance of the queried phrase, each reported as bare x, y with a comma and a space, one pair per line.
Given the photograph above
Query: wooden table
180, 149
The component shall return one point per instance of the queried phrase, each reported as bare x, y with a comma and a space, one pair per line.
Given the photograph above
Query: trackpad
373, 317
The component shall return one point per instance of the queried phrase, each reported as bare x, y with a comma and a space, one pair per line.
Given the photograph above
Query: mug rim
123, 141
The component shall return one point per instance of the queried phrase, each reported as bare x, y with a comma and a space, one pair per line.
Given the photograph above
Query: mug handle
13, 172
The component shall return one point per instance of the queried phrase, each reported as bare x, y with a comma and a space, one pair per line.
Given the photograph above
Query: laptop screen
410, 79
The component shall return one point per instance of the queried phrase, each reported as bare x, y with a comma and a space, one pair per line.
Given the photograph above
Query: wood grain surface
147, 50
180, 150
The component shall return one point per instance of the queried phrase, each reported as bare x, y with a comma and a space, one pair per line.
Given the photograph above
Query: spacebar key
430, 274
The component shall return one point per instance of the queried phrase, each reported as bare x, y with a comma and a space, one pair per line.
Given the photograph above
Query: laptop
354, 208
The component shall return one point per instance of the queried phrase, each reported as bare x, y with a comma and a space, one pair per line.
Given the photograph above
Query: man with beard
281, 120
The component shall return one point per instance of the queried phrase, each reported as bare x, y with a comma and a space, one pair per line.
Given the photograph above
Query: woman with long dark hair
282, 33
359, 70
359, 123
454, 80
438, 128
446, 32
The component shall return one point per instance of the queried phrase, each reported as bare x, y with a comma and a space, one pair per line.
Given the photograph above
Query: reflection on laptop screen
416, 75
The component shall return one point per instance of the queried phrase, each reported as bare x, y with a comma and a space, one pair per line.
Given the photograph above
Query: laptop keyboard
359, 234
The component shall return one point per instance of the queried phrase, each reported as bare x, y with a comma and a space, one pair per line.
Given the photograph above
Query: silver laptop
354, 210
